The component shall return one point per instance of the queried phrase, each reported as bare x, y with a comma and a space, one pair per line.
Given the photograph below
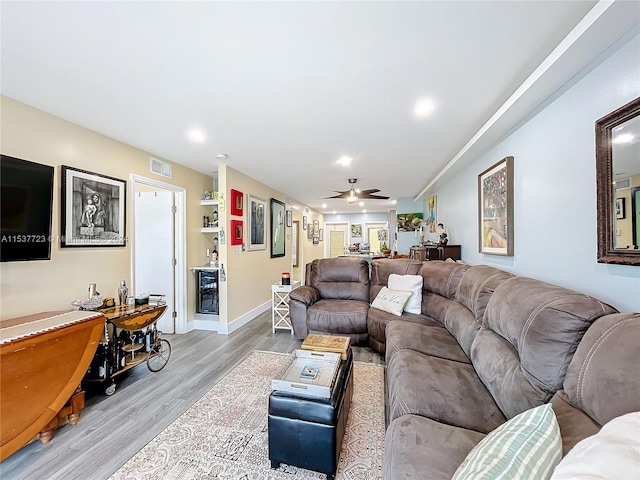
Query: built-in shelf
210, 229
209, 202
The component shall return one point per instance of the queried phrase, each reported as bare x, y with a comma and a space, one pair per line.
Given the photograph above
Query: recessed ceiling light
424, 108
334, 212
361, 204
344, 161
324, 205
197, 135
364, 210
221, 156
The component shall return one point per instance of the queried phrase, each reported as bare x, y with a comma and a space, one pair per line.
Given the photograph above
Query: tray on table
293, 380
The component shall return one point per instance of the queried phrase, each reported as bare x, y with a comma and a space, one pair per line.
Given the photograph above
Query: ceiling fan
353, 196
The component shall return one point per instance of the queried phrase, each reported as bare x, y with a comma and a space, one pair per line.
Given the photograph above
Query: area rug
224, 434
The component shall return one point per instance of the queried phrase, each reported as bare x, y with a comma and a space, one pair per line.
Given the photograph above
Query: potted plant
385, 251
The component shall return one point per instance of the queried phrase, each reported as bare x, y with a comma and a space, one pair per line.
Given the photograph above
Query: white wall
555, 189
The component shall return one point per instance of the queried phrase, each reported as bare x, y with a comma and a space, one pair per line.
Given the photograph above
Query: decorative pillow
391, 301
411, 283
613, 452
527, 446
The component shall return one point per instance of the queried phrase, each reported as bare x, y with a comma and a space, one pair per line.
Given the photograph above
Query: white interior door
335, 238
154, 255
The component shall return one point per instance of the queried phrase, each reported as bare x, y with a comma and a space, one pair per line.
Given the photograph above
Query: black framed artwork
278, 231
93, 209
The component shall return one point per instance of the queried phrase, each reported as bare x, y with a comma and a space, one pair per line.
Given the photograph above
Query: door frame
180, 243
327, 243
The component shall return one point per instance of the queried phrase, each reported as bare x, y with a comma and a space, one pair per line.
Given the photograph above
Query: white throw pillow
391, 301
412, 283
613, 452
527, 446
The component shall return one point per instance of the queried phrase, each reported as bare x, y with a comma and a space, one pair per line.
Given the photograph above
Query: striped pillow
527, 446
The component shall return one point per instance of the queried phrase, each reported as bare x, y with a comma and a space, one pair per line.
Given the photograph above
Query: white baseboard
244, 319
212, 322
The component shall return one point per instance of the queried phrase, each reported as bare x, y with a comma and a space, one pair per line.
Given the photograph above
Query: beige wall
309, 251
29, 287
250, 273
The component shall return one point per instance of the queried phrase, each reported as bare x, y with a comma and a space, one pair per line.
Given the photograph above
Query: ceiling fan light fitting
352, 198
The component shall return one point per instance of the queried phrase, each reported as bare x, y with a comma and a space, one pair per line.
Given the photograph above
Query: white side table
280, 306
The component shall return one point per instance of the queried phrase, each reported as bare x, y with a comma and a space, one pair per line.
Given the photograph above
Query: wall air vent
159, 167
624, 183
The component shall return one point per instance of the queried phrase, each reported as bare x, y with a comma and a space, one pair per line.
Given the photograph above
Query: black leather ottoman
307, 431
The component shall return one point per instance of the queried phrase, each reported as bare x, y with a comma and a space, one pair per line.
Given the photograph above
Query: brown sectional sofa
487, 346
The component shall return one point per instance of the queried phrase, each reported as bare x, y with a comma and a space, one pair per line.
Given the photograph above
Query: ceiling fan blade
376, 197
340, 194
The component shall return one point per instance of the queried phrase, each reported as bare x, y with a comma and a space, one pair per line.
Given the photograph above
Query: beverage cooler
207, 292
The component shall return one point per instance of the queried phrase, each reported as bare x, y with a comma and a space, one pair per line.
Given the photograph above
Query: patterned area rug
224, 434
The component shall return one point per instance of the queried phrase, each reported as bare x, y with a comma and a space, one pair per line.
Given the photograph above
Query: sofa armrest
305, 294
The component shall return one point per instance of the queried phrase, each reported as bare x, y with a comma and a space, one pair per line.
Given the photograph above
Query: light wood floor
113, 428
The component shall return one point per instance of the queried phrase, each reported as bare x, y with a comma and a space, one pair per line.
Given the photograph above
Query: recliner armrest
305, 294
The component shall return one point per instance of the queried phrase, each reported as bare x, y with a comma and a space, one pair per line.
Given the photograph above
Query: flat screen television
26, 196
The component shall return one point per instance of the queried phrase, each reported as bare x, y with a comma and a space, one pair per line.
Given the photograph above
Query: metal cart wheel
110, 390
159, 355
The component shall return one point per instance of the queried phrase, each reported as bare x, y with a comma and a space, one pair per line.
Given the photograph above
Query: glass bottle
123, 291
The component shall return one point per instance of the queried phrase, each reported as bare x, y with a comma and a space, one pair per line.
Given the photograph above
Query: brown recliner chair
334, 301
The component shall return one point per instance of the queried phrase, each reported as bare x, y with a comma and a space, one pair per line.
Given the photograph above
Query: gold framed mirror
618, 185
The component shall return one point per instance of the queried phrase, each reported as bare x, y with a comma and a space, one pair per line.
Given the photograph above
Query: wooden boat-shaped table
43, 358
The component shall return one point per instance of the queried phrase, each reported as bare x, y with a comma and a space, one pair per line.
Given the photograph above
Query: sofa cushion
340, 278
614, 452
377, 321
337, 317
442, 278
575, 425
418, 448
477, 286
443, 390
608, 352
431, 340
527, 446
391, 301
381, 268
531, 331
464, 318
413, 283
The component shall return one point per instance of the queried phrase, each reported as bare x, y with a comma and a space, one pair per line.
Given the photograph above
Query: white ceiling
286, 88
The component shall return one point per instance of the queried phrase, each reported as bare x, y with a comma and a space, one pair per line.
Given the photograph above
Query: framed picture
294, 243
316, 240
310, 232
495, 209
257, 220
431, 214
236, 232
316, 228
620, 213
237, 202
289, 218
304, 222
321, 236
92, 209
409, 222
277, 228
356, 230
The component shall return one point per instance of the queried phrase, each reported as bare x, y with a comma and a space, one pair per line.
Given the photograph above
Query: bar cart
130, 338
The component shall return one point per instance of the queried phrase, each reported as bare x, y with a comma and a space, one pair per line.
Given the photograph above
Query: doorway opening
158, 255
